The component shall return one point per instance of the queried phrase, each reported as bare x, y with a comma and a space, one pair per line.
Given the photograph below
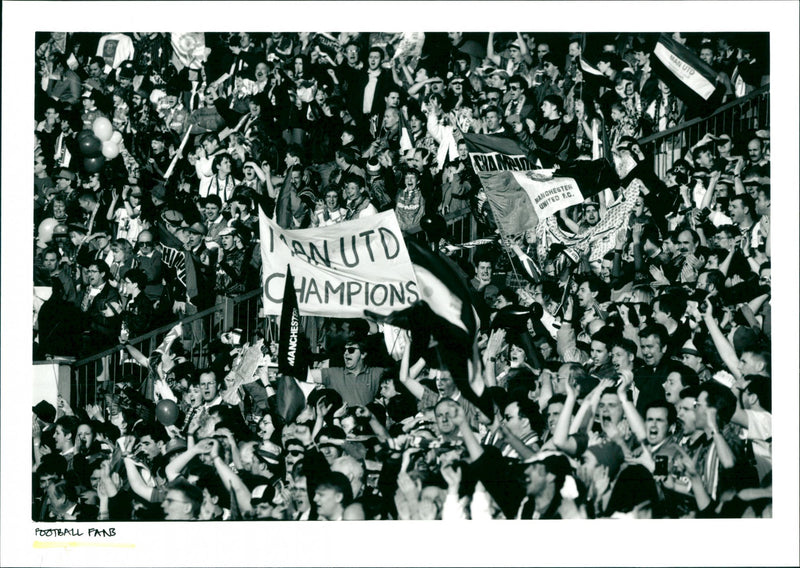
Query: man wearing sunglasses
355, 382
149, 258
519, 105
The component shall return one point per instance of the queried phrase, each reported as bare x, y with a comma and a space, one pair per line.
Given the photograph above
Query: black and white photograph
476, 278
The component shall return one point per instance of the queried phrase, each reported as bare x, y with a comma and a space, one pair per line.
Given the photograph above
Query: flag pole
503, 236
178, 153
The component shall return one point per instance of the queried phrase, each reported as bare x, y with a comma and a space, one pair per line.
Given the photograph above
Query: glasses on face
514, 87
296, 453
145, 243
350, 350
492, 99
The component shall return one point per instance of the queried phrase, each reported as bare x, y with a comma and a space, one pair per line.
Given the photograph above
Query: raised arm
634, 418
176, 466
726, 457
490, 54
135, 480
724, 348
561, 438
136, 354
570, 224
113, 205
589, 407
409, 376
231, 480
493, 347
519, 446
378, 428
470, 440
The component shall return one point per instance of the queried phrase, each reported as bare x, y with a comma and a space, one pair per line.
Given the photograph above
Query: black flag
292, 356
291, 359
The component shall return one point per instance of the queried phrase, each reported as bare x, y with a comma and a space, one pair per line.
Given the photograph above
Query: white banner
45, 384
684, 71
549, 196
340, 270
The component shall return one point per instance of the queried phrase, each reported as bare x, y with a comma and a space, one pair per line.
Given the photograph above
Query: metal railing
461, 227
114, 365
750, 112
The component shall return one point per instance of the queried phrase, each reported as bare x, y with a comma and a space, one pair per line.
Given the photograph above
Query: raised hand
597, 391
636, 232
323, 407
624, 313
658, 274
621, 238
711, 418
64, 406
458, 416
495, 343
688, 273
452, 475
407, 486
625, 381
37, 430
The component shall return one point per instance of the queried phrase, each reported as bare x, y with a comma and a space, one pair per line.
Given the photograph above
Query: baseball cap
126, 70
228, 231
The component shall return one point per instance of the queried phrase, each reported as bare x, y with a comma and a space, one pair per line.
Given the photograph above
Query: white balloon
110, 150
